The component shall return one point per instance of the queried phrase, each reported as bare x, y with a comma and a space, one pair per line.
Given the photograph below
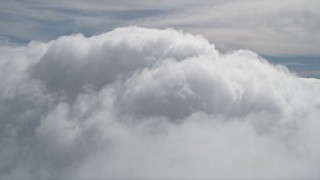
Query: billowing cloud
149, 103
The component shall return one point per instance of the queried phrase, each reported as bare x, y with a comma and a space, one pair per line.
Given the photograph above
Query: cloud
150, 103
286, 28
273, 28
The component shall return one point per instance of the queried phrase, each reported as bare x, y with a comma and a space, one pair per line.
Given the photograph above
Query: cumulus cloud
149, 103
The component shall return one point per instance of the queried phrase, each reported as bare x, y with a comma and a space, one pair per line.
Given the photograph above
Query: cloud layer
268, 27
149, 103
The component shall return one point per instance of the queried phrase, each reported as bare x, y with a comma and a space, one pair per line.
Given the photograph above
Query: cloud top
150, 103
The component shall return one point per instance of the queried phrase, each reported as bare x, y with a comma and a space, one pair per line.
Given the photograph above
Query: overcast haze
270, 27
281, 31
148, 89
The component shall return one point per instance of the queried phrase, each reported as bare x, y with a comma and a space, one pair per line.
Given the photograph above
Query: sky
159, 90
288, 29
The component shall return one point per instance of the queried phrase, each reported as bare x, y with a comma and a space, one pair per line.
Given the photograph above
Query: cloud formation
149, 103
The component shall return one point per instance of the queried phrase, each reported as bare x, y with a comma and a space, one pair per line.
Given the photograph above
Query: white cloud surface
149, 103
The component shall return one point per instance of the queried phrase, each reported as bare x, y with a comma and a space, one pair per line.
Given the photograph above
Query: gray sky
269, 27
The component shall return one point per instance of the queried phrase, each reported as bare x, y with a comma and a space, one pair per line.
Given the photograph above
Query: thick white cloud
148, 103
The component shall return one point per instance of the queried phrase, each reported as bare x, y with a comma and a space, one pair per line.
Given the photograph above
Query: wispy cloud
278, 28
